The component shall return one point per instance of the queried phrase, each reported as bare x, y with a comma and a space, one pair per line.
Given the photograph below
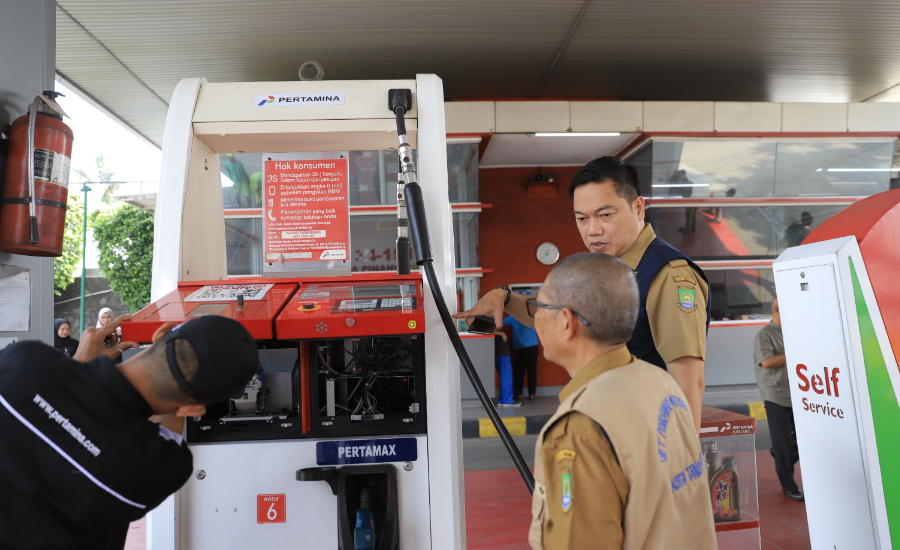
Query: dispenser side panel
819, 369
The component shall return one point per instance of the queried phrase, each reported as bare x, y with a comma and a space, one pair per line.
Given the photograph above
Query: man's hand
489, 304
101, 341
492, 304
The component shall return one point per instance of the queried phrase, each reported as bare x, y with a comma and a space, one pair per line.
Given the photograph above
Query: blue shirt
523, 337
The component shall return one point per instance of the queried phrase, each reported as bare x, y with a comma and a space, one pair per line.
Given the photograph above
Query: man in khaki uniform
674, 293
619, 464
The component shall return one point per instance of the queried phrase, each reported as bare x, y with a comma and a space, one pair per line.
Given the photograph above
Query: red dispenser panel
262, 301
345, 308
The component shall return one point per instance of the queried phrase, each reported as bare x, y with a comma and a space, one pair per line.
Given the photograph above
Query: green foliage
64, 266
104, 176
125, 241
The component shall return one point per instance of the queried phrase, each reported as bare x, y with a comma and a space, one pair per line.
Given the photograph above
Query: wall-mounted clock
547, 253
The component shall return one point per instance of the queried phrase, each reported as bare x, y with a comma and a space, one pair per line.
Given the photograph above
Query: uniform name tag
366, 451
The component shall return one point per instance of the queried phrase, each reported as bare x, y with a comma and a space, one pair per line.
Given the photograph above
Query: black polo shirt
78, 458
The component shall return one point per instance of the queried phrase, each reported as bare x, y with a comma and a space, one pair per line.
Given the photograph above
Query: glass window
643, 164
468, 290
373, 243
241, 179
738, 231
373, 240
373, 177
842, 168
740, 293
465, 235
462, 171
373, 181
243, 246
757, 168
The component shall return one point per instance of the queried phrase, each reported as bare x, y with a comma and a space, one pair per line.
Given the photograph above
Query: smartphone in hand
483, 324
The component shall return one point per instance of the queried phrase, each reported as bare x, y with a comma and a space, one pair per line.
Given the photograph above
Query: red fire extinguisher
33, 204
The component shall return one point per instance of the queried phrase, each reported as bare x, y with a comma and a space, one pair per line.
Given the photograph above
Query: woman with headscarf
61, 339
105, 317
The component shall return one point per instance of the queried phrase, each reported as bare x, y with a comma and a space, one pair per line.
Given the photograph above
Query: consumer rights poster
306, 211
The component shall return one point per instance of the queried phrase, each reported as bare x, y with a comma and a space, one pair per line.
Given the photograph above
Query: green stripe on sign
885, 410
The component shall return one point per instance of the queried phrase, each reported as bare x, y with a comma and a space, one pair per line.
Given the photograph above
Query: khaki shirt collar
633, 255
608, 361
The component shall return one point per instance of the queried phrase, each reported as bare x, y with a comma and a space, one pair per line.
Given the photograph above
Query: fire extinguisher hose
34, 237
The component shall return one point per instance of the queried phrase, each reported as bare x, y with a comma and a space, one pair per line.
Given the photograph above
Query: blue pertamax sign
366, 451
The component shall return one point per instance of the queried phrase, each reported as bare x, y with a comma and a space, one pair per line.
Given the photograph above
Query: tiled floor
498, 512
782, 521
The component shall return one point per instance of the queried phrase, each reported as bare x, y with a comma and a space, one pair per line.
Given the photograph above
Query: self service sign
844, 381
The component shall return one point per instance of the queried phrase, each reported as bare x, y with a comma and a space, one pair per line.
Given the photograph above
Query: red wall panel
510, 232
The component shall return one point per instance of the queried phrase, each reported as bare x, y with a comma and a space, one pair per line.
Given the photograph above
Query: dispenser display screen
332, 290
374, 304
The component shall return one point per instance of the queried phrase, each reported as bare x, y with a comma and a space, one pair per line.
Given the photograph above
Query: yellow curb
758, 410
515, 425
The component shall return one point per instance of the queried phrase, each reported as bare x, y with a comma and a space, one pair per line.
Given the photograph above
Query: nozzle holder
346, 483
399, 97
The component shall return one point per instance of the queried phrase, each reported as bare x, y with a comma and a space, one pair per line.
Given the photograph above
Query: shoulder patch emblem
684, 279
565, 454
686, 299
566, 483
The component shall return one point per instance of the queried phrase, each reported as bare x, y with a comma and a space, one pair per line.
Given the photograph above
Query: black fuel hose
399, 102
421, 245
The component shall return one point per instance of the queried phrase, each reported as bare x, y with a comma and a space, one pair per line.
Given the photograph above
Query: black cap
226, 354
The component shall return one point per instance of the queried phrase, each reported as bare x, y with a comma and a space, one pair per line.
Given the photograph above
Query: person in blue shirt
504, 369
525, 355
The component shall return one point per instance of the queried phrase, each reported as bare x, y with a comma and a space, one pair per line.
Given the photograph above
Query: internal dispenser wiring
367, 380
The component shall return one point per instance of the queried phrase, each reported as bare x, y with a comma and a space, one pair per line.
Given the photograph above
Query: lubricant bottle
725, 491
713, 458
704, 448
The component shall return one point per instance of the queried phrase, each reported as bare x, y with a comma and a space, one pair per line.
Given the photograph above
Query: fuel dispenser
839, 299
349, 435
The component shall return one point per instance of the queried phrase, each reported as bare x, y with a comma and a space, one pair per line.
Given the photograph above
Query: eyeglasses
533, 303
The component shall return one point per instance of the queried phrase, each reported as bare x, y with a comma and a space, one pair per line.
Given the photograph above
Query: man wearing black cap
80, 459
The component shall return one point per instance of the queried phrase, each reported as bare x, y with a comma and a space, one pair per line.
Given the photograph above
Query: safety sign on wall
306, 211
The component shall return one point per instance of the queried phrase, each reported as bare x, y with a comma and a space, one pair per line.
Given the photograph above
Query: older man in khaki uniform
619, 465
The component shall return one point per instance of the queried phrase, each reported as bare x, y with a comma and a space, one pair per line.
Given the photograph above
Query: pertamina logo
333, 255
298, 100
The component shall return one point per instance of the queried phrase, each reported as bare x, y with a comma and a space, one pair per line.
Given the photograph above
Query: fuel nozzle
364, 534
